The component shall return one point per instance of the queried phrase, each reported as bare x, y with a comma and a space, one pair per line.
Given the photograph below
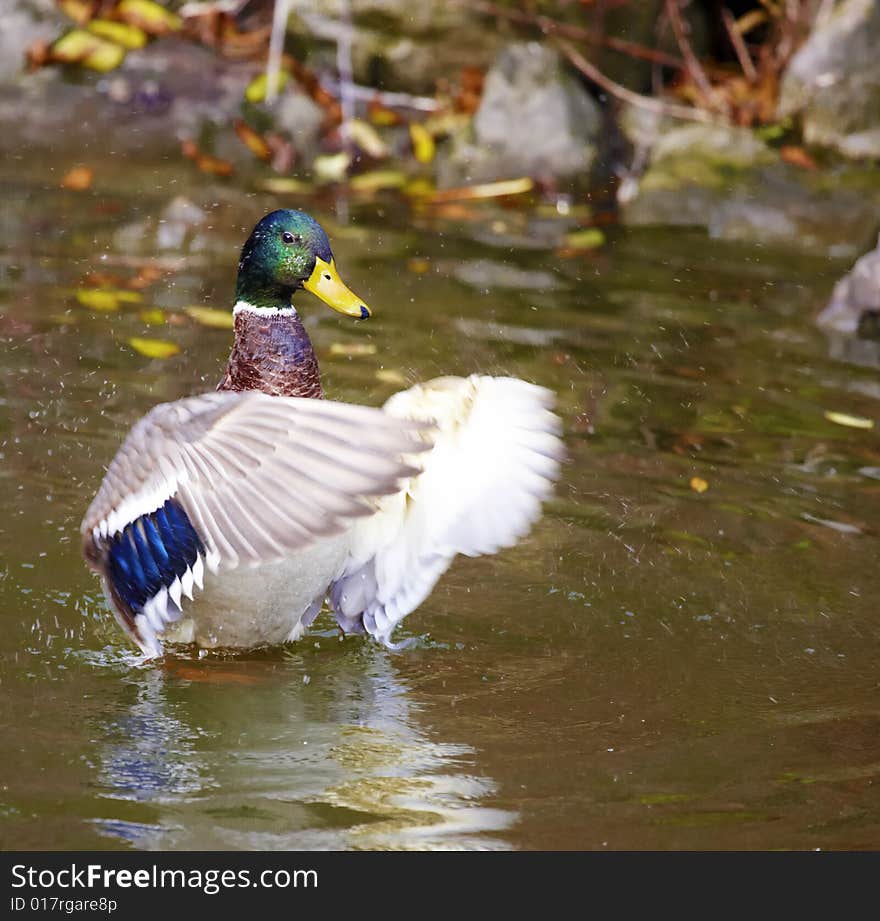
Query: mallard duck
228, 519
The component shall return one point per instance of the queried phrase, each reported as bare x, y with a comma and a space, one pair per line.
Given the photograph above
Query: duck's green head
288, 250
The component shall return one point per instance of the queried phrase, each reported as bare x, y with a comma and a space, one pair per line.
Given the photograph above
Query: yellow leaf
154, 348
854, 422
98, 299
390, 376
422, 142
486, 190
698, 484
377, 180
331, 167
589, 238
280, 185
80, 11
130, 37
153, 317
257, 88
149, 16
81, 47
210, 316
367, 138
418, 265
352, 349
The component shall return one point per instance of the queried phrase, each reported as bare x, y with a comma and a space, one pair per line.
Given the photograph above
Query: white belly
261, 606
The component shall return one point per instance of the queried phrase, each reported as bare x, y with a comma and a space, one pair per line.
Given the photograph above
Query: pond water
654, 667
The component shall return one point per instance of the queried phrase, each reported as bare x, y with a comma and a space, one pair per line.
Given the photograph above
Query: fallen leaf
254, 143
698, 484
418, 265
280, 185
258, 87
423, 144
210, 316
588, 238
149, 16
106, 299
390, 376
367, 138
797, 156
81, 47
352, 349
381, 115
485, 190
130, 37
80, 11
153, 317
331, 167
377, 180
78, 179
153, 348
854, 422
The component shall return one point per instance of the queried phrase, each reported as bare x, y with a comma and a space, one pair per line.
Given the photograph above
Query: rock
855, 302
398, 44
727, 180
534, 119
833, 82
177, 228
485, 274
301, 117
27, 22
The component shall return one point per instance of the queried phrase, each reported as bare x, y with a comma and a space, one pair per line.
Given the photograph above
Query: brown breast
273, 354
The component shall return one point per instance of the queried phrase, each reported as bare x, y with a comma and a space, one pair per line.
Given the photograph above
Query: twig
739, 46
276, 48
694, 68
344, 38
591, 72
383, 97
551, 27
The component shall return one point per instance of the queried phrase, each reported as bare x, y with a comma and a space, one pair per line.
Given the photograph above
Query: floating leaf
78, 179
854, 422
797, 156
253, 141
210, 316
331, 167
352, 349
154, 317
377, 180
698, 484
588, 238
258, 87
153, 348
381, 115
367, 138
424, 148
280, 185
149, 16
418, 265
106, 299
130, 37
205, 162
390, 376
486, 190
81, 47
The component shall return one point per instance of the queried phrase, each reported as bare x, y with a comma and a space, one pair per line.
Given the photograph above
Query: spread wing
494, 459
229, 479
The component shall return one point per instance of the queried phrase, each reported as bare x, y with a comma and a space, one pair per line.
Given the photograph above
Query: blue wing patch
150, 553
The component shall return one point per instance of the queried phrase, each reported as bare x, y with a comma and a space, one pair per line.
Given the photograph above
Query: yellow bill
325, 283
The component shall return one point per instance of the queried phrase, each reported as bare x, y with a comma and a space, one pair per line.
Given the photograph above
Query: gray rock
301, 117
734, 185
855, 301
534, 119
27, 22
398, 44
833, 82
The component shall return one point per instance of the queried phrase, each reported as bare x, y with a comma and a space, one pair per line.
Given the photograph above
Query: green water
653, 667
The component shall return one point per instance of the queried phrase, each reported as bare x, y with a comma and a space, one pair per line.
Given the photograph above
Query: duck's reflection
257, 754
